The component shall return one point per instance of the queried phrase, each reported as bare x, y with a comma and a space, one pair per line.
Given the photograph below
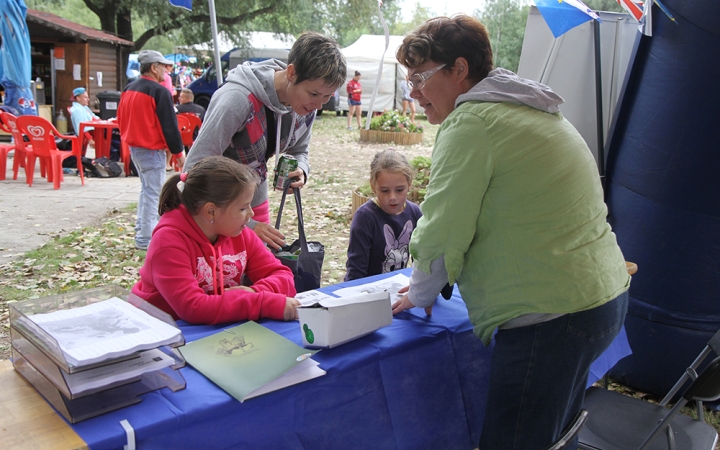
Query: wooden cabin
66, 55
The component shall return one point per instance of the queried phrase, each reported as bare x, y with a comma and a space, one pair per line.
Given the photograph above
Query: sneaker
349, 128
140, 247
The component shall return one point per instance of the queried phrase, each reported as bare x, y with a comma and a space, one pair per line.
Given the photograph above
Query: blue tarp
177, 58
662, 194
133, 68
15, 56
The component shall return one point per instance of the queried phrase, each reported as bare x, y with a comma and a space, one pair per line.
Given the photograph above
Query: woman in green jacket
514, 214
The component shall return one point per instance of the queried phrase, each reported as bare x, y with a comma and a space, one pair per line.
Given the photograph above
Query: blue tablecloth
417, 384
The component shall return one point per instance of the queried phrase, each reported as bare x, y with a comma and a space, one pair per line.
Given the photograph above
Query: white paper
331, 302
390, 285
110, 374
305, 370
99, 79
59, 64
76, 72
308, 298
105, 330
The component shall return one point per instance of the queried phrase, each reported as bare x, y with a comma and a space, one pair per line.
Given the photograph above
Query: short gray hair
188, 92
146, 68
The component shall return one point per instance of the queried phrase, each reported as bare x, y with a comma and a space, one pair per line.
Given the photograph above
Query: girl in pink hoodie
201, 248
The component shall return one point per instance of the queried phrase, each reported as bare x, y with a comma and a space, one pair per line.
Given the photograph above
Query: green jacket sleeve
462, 167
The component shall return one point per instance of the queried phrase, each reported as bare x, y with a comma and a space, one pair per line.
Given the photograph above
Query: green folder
250, 360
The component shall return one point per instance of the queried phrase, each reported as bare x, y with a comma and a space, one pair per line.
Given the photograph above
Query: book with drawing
250, 360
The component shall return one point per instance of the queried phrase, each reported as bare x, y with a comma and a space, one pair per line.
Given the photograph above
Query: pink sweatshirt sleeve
267, 273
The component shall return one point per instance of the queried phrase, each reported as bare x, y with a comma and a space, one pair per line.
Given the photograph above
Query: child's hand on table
291, 305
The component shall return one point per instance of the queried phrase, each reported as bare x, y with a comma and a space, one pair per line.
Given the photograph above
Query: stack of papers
391, 285
105, 330
105, 377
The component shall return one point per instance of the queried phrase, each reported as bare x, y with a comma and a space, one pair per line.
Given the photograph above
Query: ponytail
170, 196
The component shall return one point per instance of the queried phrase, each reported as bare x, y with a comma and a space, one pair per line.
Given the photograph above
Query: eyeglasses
418, 80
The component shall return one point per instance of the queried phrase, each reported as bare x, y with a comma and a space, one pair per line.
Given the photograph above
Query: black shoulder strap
271, 133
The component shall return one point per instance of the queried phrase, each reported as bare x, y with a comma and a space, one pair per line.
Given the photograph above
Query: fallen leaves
88, 257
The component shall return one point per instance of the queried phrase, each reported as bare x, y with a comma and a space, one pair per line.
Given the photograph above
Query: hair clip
181, 183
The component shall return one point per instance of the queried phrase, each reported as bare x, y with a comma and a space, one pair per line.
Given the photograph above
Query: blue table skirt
417, 384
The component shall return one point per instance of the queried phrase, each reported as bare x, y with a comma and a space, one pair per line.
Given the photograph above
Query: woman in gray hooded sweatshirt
268, 108
514, 213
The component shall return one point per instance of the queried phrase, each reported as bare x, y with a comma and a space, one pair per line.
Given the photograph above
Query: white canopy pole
216, 45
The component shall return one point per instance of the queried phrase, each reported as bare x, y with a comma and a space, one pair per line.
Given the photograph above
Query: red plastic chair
125, 157
5, 149
42, 137
186, 133
195, 124
8, 123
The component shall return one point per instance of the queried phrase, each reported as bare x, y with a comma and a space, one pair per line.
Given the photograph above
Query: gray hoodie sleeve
425, 287
225, 116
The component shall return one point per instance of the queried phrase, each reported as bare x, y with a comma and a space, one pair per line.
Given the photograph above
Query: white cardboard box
335, 321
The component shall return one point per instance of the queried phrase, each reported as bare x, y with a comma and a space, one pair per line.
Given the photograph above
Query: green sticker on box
309, 336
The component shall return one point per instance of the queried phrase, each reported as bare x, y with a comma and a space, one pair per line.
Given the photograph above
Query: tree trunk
107, 16
124, 24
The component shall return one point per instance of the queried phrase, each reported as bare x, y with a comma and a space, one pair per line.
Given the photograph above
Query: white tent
263, 45
566, 64
364, 56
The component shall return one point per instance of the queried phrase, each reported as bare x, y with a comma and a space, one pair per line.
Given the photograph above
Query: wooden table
27, 421
632, 268
102, 143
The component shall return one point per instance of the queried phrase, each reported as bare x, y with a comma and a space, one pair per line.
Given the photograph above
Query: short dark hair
444, 40
316, 56
357, 73
215, 179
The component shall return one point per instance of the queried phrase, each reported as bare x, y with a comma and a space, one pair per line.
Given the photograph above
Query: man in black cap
147, 122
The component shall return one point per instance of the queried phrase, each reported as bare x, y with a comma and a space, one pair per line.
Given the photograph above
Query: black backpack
106, 168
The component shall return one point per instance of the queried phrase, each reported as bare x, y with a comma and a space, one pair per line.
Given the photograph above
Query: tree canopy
140, 21
158, 24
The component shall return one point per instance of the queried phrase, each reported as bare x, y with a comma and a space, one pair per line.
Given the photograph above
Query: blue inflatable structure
663, 194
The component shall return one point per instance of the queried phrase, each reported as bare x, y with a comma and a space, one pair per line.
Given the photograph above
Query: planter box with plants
391, 126
421, 167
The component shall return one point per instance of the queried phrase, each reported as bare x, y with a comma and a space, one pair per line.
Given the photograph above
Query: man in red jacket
147, 122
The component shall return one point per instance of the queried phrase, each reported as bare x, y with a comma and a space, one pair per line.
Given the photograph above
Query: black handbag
304, 258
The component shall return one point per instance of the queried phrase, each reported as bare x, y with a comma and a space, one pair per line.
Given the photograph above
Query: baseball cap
77, 91
152, 56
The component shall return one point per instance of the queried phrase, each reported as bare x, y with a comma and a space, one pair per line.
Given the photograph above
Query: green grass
90, 257
335, 126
